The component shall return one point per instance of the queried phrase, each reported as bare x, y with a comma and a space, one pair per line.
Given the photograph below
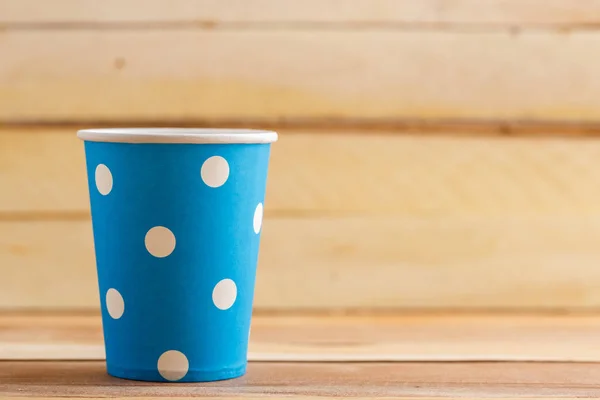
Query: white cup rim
177, 135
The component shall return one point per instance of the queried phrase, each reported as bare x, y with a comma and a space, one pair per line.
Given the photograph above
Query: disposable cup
177, 217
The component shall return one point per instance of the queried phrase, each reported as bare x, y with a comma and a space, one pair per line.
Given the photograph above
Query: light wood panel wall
374, 218
359, 220
144, 61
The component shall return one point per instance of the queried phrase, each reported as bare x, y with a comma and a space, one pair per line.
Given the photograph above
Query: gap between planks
300, 26
462, 128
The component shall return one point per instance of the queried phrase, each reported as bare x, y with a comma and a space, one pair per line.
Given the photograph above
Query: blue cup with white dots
177, 216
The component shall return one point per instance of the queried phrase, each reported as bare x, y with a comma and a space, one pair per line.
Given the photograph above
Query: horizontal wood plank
42, 173
298, 396
327, 338
288, 11
547, 262
453, 380
297, 75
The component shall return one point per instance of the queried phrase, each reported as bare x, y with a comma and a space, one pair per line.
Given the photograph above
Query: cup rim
177, 135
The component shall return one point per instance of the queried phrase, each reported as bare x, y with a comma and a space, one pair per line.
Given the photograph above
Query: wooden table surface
458, 356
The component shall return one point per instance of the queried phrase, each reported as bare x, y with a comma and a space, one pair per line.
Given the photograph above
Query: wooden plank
297, 75
347, 173
541, 262
261, 397
519, 12
89, 379
251, 397
372, 338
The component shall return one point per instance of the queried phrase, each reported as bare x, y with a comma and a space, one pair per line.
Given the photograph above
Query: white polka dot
215, 171
104, 179
160, 241
173, 365
114, 303
258, 217
224, 294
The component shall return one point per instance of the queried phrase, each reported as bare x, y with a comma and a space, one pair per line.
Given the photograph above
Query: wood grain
89, 379
350, 262
521, 12
326, 338
295, 396
296, 75
347, 173
352, 219
298, 396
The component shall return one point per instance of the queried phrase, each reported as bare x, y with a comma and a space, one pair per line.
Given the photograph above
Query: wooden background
432, 154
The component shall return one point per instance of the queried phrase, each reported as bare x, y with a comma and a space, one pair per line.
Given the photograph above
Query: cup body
176, 233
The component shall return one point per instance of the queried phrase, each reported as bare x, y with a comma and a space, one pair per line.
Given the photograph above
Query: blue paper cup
176, 216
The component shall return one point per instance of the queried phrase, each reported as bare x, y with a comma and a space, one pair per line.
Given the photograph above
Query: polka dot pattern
215, 171
173, 365
115, 305
160, 241
149, 335
104, 179
224, 294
